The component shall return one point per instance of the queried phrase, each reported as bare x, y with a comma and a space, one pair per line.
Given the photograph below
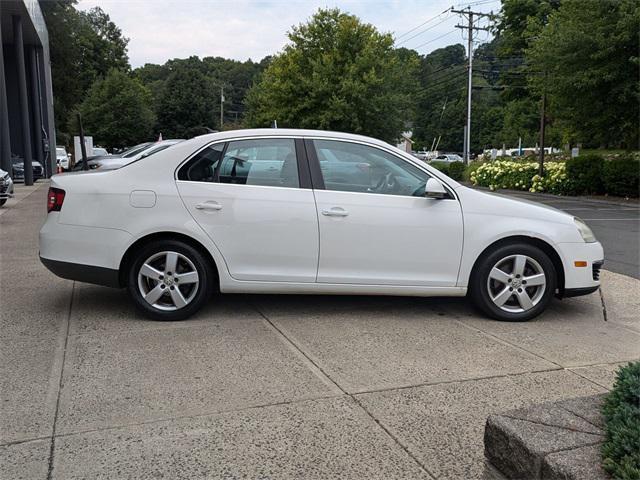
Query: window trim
318, 179
304, 175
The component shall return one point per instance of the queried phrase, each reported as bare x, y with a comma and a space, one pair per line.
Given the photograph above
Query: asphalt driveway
275, 386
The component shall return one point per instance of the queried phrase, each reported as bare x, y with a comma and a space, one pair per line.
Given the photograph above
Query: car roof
280, 132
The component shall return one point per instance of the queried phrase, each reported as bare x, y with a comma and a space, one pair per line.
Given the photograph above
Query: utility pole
470, 27
221, 106
543, 124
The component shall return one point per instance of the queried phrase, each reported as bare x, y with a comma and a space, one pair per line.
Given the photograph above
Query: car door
249, 198
376, 225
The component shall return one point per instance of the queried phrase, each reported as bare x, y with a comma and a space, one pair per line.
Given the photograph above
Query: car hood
477, 201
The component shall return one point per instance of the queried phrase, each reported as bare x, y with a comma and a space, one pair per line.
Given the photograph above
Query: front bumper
6, 189
581, 280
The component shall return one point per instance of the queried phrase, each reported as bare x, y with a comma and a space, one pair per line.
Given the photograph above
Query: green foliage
164, 80
521, 176
471, 169
621, 177
442, 166
117, 111
588, 63
187, 100
621, 410
585, 174
336, 73
456, 170
83, 46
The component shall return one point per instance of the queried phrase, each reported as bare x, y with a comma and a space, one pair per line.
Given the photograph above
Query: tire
503, 294
179, 294
3, 201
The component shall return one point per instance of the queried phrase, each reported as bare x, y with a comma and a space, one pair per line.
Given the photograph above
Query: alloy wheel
516, 283
168, 281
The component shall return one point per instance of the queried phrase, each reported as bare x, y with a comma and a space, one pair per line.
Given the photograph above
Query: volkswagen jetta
302, 211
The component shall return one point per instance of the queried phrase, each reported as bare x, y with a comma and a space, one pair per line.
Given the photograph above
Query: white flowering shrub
521, 176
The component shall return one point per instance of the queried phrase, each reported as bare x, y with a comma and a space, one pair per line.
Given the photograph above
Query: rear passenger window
202, 167
267, 162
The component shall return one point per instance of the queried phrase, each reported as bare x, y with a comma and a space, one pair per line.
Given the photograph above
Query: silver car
6, 187
112, 162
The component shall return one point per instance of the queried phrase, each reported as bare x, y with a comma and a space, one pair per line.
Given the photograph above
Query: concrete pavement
275, 386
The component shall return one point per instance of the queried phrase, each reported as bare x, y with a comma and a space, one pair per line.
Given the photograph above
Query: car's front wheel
169, 280
514, 282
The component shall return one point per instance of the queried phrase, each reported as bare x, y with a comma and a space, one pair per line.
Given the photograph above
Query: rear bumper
83, 273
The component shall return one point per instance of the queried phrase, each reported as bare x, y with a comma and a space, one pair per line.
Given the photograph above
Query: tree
188, 100
117, 111
589, 57
441, 99
336, 73
83, 46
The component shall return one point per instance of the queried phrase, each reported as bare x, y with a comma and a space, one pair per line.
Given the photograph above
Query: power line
422, 24
424, 31
433, 40
449, 81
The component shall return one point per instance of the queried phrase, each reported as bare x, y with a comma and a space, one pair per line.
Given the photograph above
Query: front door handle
208, 206
335, 212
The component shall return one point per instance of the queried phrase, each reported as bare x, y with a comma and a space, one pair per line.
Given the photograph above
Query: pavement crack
604, 305
394, 438
60, 382
506, 342
294, 345
315, 367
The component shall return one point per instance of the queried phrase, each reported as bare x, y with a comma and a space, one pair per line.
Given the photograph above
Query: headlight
585, 231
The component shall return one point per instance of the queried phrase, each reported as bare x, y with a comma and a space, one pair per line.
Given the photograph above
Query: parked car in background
6, 187
62, 157
305, 211
111, 162
100, 152
448, 158
421, 155
17, 165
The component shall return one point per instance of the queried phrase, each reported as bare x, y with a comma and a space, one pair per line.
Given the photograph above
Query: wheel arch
536, 242
128, 256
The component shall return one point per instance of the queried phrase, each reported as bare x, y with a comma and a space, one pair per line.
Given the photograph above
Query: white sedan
308, 212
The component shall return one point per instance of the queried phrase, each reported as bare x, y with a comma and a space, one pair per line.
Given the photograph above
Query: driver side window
352, 167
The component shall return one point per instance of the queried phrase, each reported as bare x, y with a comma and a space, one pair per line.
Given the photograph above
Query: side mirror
435, 189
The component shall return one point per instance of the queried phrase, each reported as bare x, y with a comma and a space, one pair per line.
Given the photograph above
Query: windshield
61, 151
135, 150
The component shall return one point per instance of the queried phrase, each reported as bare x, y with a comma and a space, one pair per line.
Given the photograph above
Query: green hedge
456, 170
621, 410
442, 166
584, 175
621, 177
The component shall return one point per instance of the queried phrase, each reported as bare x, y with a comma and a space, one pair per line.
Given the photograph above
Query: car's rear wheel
169, 280
513, 282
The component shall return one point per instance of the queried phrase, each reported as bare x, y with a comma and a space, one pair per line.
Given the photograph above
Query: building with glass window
27, 133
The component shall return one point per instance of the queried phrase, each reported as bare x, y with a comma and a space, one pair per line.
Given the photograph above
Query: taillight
55, 199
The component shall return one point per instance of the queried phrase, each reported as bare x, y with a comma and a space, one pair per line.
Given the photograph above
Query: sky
159, 30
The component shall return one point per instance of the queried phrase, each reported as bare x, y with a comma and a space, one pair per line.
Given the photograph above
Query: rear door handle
335, 212
211, 205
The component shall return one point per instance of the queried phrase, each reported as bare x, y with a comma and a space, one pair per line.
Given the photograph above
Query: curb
617, 201
552, 441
